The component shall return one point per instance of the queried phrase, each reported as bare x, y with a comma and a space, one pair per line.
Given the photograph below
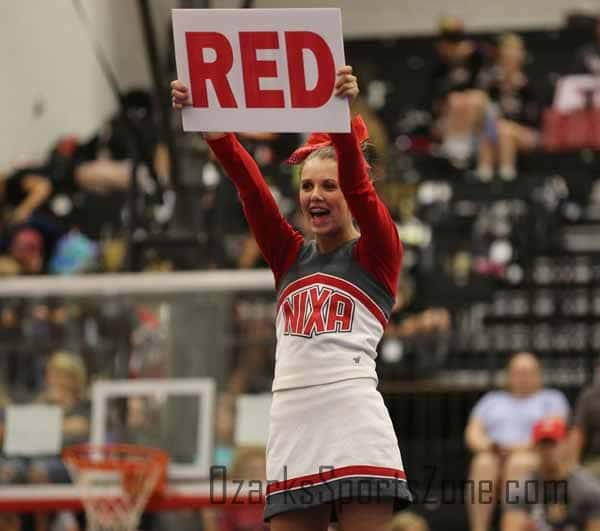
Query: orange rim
133, 460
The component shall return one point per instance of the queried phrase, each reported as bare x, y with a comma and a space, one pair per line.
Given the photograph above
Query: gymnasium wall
362, 18
51, 82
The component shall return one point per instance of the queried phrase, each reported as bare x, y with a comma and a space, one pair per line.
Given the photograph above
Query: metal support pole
164, 108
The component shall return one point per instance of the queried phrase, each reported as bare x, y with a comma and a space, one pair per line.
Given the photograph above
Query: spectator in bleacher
105, 162
560, 495
28, 250
588, 57
458, 106
423, 338
24, 193
66, 388
516, 107
499, 431
249, 466
408, 521
585, 433
30, 229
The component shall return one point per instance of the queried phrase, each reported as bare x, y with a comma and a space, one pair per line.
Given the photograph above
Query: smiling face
322, 201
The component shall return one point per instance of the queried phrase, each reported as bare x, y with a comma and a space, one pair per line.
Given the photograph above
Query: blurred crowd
466, 178
520, 437
68, 213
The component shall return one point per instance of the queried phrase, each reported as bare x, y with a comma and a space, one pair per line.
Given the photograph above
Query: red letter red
315, 319
216, 71
291, 313
295, 43
294, 313
253, 69
341, 309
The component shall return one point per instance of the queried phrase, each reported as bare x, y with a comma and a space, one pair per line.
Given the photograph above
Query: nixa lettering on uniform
315, 311
202, 70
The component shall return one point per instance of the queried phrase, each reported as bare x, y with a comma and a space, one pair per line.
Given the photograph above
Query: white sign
33, 430
261, 70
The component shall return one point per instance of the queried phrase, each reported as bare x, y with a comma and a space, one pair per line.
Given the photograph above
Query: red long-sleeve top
378, 249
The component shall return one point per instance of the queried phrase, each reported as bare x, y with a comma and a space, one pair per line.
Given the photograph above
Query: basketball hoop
115, 482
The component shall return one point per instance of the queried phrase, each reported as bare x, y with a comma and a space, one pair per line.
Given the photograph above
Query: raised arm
379, 249
278, 241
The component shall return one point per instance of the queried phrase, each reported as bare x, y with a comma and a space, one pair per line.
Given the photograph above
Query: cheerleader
332, 454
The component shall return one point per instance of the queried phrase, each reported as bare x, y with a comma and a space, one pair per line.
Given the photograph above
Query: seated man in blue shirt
499, 432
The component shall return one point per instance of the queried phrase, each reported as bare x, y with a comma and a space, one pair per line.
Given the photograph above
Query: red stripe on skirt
334, 473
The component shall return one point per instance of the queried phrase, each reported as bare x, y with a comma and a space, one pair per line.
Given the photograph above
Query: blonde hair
408, 521
73, 365
511, 40
244, 454
448, 23
329, 153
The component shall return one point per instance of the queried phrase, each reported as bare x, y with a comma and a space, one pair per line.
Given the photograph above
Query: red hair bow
320, 140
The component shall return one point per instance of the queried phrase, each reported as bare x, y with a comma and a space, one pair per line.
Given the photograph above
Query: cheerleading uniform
330, 433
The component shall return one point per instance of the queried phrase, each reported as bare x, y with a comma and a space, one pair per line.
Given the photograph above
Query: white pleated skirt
332, 442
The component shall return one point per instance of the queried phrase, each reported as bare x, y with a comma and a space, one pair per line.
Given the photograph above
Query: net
115, 482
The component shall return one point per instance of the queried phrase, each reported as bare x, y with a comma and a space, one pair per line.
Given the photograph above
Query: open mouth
316, 213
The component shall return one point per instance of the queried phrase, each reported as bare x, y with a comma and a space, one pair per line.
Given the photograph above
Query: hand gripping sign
261, 70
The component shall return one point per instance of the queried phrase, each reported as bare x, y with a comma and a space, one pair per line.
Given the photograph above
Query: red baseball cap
25, 243
550, 429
